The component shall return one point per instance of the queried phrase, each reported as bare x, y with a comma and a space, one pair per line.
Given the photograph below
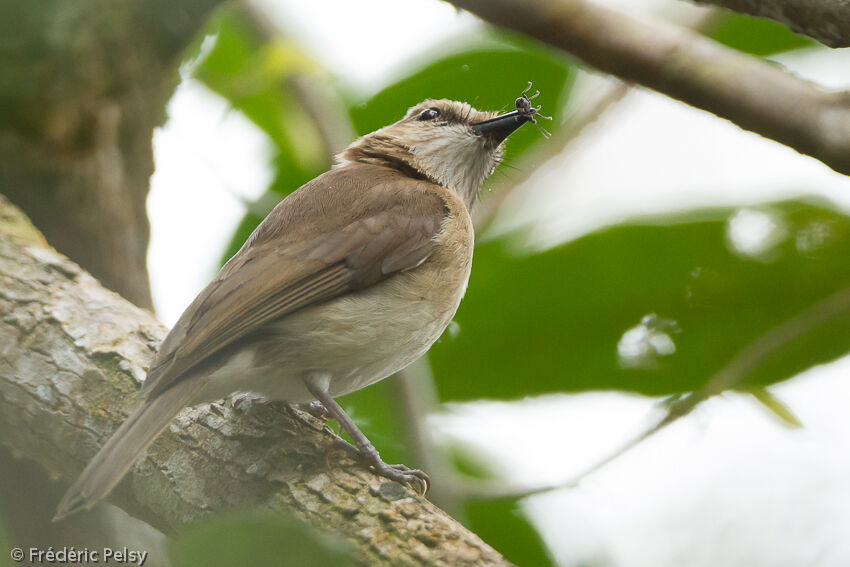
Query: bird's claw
417, 479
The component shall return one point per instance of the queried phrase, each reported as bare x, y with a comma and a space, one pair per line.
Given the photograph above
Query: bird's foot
367, 454
402, 474
416, 478
363, 450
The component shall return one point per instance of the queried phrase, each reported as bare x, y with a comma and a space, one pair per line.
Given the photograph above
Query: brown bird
348, 280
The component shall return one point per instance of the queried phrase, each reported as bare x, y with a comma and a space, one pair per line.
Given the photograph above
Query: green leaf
251, 72
501, 525
257, 539
552, 322
776, 407
755, 36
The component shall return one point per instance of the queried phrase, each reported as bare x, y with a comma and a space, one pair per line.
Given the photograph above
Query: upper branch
71, 358
754, 94
827, 21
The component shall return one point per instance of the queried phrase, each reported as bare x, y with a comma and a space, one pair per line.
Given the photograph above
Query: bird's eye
429, 114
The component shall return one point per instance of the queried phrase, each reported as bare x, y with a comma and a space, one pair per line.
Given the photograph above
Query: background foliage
549, 321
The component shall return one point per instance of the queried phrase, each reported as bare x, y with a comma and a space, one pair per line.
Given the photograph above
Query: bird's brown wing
331, 237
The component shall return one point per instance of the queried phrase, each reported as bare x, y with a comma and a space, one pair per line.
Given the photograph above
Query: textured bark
827, 21
82, 85
754, 94
72, 355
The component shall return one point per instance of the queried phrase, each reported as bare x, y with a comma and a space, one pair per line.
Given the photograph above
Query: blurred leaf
500, 524
554, 321
776, 407
469, 465
756, 36
257, 539
255, 75
251, 73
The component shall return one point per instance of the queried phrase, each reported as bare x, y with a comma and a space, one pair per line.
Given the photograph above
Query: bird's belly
356, 340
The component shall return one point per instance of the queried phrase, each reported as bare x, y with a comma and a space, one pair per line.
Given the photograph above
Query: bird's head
444, 141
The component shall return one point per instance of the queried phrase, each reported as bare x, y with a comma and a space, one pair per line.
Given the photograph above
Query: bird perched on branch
348, 280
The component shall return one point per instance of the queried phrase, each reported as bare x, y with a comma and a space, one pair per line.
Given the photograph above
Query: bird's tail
115, 458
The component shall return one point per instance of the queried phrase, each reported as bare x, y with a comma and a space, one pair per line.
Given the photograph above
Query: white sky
726, 487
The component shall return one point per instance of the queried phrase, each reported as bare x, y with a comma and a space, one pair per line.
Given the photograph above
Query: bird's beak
499, 128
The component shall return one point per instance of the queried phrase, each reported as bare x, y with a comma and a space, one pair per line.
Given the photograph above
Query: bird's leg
363, 448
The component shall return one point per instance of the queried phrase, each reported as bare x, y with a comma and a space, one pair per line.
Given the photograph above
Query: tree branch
756, 95
827, 21
72, 355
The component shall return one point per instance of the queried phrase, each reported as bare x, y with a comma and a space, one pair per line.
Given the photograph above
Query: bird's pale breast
361, 337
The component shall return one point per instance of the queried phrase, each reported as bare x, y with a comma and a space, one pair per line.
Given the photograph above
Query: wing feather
337, 234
